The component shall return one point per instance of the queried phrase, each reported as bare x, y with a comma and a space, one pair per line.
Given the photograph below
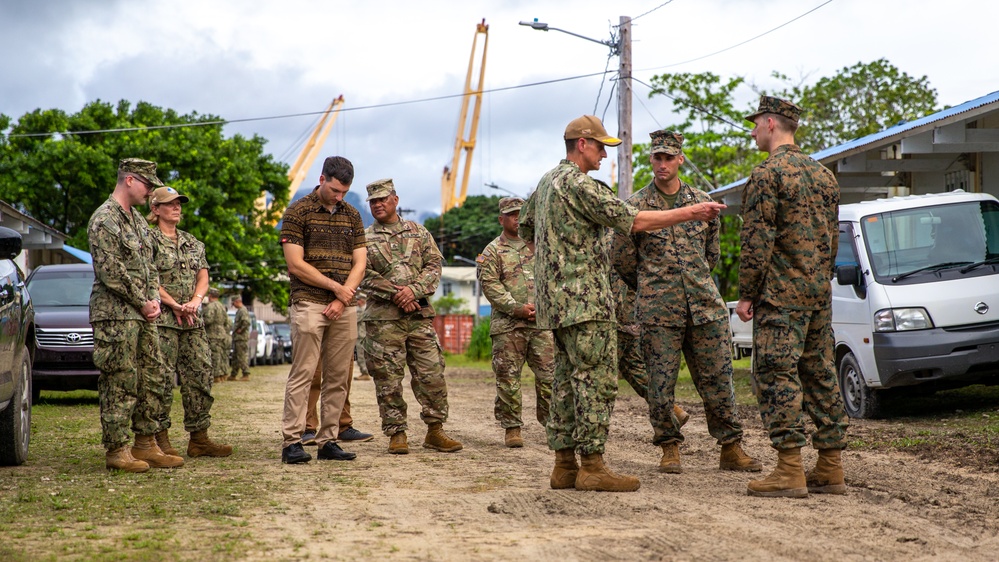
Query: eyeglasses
148, 186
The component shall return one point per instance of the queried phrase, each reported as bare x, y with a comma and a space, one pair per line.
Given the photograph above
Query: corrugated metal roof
899, 130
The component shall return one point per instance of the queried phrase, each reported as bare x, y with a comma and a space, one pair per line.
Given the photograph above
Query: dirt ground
488, 502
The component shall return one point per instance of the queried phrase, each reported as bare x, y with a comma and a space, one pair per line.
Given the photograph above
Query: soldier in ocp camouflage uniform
403, 271
124, 304
183, 272
789, 241
680, 309
218, 328
240, 340
566, 218
506, 276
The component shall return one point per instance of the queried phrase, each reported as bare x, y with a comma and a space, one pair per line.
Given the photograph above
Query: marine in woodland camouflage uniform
566, 217
403, 271
240, 340
505, 270
679, 307
630, 364
218, 328
789, 241
183, 272
124, 304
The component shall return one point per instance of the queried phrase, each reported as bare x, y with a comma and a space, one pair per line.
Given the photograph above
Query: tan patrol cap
380, 188
589, 127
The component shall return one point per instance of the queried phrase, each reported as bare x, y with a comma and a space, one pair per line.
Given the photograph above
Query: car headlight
902, 319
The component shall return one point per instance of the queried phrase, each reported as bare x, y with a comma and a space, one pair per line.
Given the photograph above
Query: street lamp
494, 186
619, 47
478, 289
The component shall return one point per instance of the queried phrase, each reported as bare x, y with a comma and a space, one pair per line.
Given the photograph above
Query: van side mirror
848, 275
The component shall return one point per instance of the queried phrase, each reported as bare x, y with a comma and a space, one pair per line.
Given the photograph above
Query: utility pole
620, 47
625, 177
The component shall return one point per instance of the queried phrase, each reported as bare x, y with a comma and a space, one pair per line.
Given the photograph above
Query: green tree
859, 100
61, 179
450, 304
467, 229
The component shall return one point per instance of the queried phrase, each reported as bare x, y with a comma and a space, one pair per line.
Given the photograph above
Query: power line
698, 108
650, 11
307, 113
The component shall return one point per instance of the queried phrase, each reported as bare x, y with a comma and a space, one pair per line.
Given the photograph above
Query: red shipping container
454, 331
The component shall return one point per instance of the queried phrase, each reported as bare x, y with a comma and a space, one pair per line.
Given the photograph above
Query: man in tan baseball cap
589, 127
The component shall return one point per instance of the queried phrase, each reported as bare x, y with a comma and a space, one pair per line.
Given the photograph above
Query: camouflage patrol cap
589, 127
510, 204
139, 167
213, 292
770, 104
166, 194
380, 188
669, 142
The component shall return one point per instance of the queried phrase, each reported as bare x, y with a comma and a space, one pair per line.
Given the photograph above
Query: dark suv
63, 342
16, 316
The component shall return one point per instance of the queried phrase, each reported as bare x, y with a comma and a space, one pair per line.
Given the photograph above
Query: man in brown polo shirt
324, 247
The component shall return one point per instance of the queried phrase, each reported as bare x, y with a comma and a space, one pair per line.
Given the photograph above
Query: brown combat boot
595, 476
513, 438
146, 449
201, 446
681, 415
438, 440
398, 444
786, 481
122, 459
734, 458
163, 442
827, 476
564, 473
670, 463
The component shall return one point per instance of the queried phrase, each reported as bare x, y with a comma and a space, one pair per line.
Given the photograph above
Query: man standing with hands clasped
790, 236
566, 218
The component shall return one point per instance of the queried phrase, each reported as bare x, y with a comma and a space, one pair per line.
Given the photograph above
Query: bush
450, 304
481, 346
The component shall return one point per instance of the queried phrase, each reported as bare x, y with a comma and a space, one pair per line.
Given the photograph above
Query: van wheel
860, 400
15, 420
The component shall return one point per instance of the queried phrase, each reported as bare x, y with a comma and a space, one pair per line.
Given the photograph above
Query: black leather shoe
294, 454
351, 434
332, 452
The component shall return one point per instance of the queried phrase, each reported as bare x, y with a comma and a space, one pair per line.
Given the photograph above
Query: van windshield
929, 240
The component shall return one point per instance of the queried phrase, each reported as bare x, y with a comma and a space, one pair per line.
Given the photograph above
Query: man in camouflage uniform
404, 269
362, 301
790, 235
680, 309
183, 272
218, 328
240, 340
566, 218
124, 305
505, 269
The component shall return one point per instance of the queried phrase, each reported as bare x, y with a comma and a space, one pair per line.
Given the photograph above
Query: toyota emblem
981, 308
75, 338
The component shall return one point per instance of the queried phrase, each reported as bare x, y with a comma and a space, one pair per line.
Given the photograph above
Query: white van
916, 295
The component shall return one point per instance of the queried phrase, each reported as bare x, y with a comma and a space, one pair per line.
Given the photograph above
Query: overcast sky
242, 59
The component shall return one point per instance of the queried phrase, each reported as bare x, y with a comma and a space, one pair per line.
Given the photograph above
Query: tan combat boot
122, 459
827, 476
513, 438
398, 444
438, 440
595, 476
163, 441
670, 463
564, 473
146, 449
682, 417
201, 446
734, 458
786, 481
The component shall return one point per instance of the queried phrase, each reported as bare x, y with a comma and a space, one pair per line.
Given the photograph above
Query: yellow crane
296, 174
462, 145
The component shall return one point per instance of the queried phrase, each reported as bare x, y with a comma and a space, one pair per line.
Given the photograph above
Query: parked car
254, 336
62, 345
282, 341
16, 319
265, 344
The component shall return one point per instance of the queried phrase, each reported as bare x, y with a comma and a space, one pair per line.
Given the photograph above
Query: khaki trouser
315, 337
312, 416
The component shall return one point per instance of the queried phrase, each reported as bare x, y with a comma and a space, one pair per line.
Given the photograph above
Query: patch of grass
461, 361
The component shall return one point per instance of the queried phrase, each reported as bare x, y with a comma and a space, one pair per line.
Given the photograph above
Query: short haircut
784, 123
570, 145
338, 168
